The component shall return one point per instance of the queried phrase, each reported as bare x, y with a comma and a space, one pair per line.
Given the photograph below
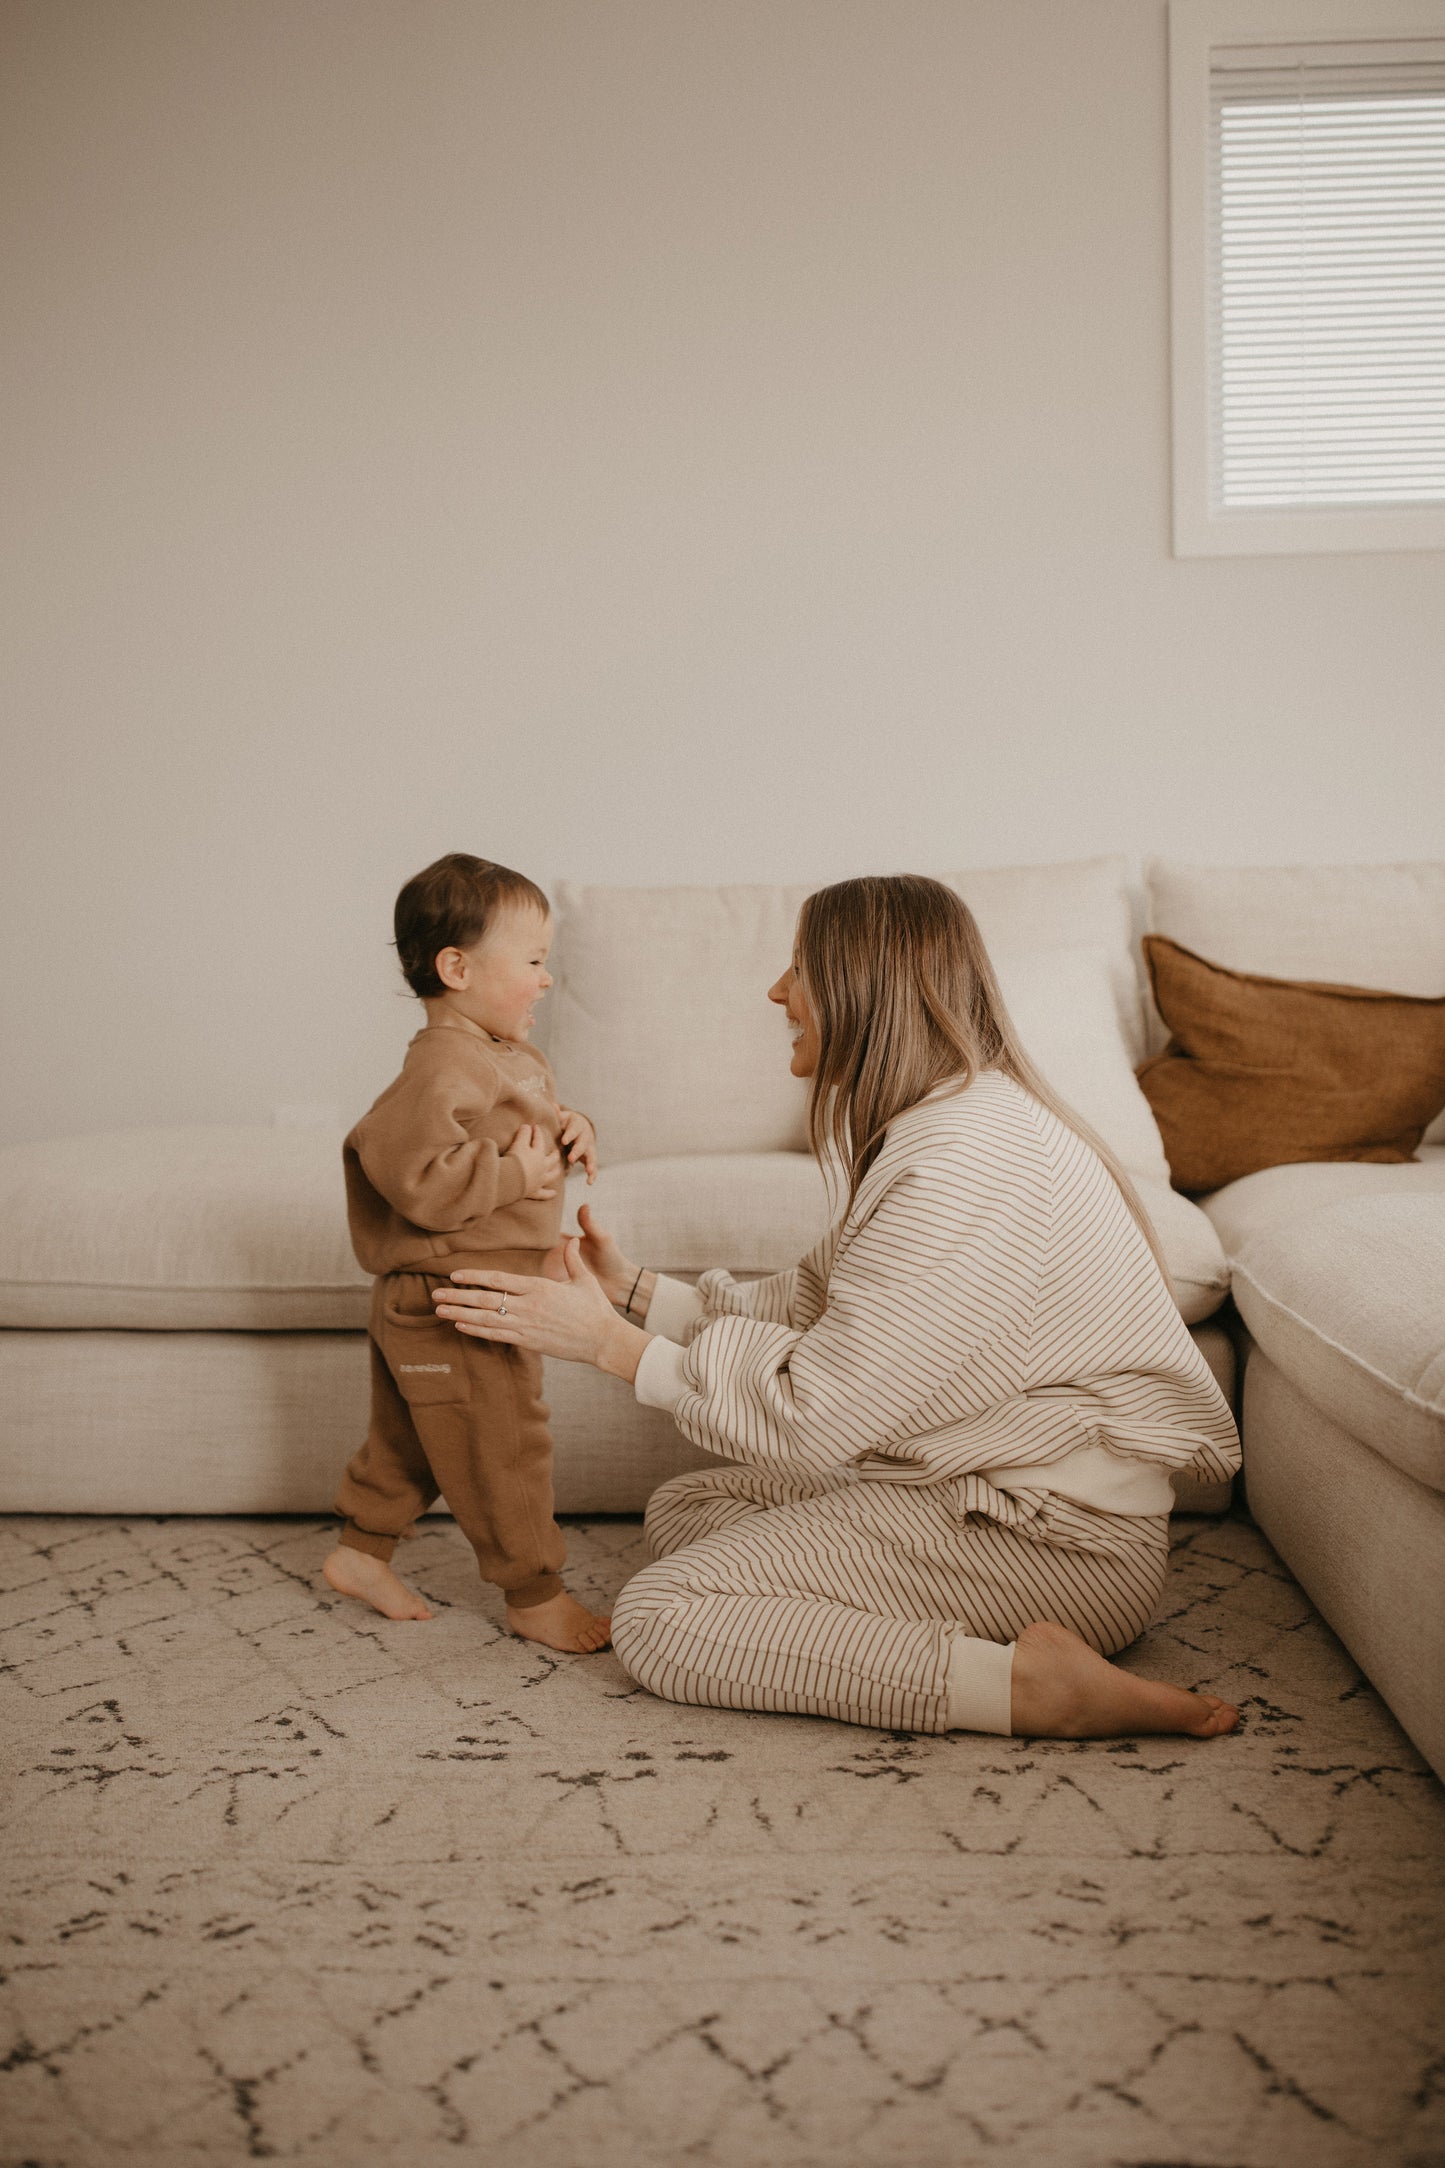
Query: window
1308, 229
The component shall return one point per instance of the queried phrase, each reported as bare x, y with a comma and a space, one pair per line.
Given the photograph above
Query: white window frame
1201, 529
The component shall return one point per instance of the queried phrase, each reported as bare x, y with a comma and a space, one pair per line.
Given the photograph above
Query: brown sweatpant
459, 1418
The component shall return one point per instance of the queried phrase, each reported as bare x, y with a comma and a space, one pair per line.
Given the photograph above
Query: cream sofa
181, 1318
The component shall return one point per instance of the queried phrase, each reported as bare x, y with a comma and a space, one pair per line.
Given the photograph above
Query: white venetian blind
1328, 266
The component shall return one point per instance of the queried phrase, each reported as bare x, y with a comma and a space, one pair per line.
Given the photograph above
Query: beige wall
641, 440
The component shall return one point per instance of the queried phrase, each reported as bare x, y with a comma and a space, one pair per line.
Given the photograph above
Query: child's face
498, 982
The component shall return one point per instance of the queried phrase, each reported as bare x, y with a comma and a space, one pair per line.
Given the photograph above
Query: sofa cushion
1277, 1195
1085, 905
244, 1230
1262, 1071
1198, 1268
1351, 925
754, 1212
163, 1229
759, 1212
659, 1026
1348, 1302
1061, 1003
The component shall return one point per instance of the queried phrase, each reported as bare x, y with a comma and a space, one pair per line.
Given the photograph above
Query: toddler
460, 1162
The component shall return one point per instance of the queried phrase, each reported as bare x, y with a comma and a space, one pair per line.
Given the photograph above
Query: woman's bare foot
357, 1573
561, 1623
1063, 1689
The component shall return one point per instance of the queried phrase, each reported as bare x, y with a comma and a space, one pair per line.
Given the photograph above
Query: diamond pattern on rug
288, 1881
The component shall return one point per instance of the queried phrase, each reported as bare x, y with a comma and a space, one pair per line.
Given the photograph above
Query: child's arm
421, 1152
578, 1140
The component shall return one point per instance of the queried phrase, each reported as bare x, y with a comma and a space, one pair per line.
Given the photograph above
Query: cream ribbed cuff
659, 1382
674, 1309
979, 1685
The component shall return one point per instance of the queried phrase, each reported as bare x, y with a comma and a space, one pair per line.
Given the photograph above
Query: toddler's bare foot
357, 1573
1063, 1689
561, 1623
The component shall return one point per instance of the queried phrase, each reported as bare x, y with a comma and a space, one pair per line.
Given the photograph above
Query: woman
948, 1433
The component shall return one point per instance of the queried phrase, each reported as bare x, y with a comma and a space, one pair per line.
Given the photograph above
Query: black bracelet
627, 1307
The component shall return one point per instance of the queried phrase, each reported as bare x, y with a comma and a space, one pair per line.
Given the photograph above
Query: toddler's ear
451, 968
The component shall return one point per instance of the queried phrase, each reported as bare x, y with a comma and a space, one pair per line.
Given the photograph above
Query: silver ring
502, 1311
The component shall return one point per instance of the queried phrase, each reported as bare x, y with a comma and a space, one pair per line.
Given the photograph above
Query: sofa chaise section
1338, 1273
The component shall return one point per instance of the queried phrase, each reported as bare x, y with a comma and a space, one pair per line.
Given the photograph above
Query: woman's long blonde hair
904, 999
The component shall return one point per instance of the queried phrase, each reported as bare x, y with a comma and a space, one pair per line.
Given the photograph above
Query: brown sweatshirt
429, 1179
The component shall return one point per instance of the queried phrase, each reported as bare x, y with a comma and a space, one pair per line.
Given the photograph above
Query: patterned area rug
287, 1882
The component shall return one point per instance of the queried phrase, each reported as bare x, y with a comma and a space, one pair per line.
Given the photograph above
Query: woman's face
788, 993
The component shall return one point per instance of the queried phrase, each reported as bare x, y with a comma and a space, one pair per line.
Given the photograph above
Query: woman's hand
604, 1258
570, 1318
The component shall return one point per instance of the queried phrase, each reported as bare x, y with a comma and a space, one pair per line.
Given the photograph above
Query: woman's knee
644, 1618
686, 1507
666, 1508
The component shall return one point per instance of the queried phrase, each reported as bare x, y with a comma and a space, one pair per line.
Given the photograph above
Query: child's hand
603, 1256
541, 1161
579, 1142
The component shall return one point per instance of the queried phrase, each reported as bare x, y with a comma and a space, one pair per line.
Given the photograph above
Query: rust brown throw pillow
1262, 1072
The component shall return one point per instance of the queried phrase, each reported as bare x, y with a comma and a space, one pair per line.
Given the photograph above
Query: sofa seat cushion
1348, 1303
1198, 1268
244, 1230
759, 1212
1277, 1195
221, 1230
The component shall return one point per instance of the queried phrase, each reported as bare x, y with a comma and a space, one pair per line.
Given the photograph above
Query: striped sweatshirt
988, 1310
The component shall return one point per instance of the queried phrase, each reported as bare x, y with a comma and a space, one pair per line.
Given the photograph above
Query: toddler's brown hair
450, 904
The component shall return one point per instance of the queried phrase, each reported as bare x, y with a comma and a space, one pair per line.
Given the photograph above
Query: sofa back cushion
1375, 926
1085, 905
1061, 1004
658, 1025
660, 1029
